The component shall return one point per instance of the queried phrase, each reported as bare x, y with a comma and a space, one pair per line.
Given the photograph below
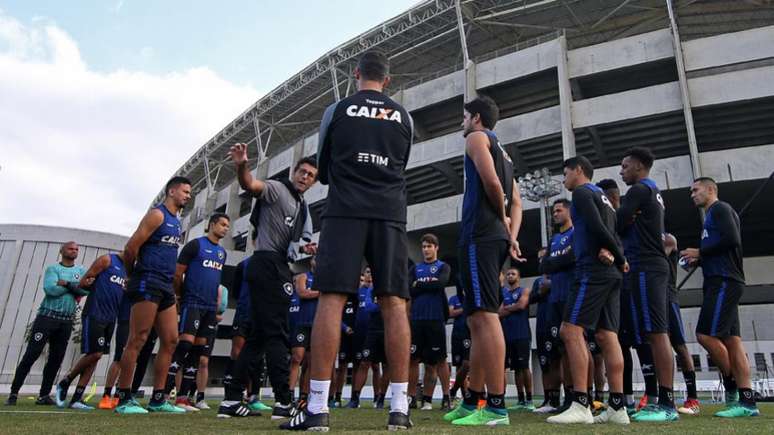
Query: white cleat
548, 409
202, 405
610, 416
576, 413
427, 406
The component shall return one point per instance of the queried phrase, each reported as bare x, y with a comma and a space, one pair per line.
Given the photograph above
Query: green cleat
731, 398
631, 410
130, 407
738, 410
167, 408
257, 405
655, 413
484, 417
459, 412
522, 407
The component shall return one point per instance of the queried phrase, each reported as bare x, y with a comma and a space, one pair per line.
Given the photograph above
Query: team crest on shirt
554, 331
466, 343
288, 287
413, 348
101, 341
38, 336
300, 338
221, 255
607, 202
433, 269
196, 324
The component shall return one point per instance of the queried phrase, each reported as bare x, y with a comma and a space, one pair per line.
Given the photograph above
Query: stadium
688, 79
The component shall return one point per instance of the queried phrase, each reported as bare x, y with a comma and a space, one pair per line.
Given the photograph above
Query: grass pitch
27, 418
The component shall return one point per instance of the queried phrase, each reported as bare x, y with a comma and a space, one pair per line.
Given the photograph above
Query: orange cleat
106, 403
643, 402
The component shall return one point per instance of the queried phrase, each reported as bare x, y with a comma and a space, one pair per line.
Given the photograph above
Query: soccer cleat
598, 406
166, 407
185, 403
398, 421
304, 421
353, 404
379, 404
332, 404
202, 405
731, 398
631, 409
576, 413
459, 412
484, 417
656, 413
643, 402
235, 409
80, 406
45, 400
522, 406
11, 400
106, 403
130, 407
281, 411
608, 415
738, 410
60, 396
257, 405
546, 409
427, 406
690, 407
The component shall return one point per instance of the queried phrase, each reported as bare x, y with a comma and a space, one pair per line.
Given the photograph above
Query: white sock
318, 396
399, 400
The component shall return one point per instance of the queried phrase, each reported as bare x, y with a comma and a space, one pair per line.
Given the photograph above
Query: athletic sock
729, 383
318, 392
629, 399
529, 396
427, 399
227, 373
399, 402
666, 397
581, 397
553, 398
108, 391
496, 403
521, 396
304, 397
157, 398
337, 397
690, 384
78, 394
356, 395
124, 395
470, 399
453, 391
616, 401
747, 397
199, 396
568, 395
412, 399
446, 398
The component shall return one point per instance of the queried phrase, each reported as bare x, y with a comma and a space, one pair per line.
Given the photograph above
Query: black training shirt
640, 222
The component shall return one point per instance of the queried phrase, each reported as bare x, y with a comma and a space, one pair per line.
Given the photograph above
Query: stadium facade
689, 79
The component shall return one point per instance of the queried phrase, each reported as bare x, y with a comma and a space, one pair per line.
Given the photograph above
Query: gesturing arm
246, 181
152, 220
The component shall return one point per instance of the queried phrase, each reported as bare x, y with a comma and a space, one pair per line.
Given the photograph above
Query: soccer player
366, 306
197, 277
559, 266
428, 323
149, 257
122, 334
676, 332
53, 323
107, 279
364, 145
302, 335
551, 379
640, 222
491, 218
593, 301
514, 315
346, 350
279, 217
460, 344
717, 330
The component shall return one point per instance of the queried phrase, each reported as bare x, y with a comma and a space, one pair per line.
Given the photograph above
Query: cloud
90, 150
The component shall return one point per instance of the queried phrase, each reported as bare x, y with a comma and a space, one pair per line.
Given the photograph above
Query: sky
101, 101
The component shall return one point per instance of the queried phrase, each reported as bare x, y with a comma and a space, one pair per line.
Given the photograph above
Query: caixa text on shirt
212, 264
374, 113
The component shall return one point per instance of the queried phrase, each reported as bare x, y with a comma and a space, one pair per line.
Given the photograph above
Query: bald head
69, 251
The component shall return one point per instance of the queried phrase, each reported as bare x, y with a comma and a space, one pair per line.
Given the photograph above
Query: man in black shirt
593, 302
717, 329
640, 222
364, 146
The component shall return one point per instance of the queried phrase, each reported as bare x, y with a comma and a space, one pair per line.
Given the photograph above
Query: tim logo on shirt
375, 159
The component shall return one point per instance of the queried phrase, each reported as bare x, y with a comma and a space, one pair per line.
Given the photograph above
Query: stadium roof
424, 43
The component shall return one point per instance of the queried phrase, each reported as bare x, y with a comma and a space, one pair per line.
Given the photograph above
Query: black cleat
238, 409
399, 421
45, 400
281, 411
304, 421
412, 402
11, 401
379, 403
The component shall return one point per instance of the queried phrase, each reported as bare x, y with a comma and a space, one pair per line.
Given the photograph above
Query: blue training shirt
104, 301
205, 262
428, 295
308, 306
365, 305
155, 266
459, 328
560, 263
516, 324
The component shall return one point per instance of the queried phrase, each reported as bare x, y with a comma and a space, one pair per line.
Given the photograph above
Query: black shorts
351, 349
549, 344
627, 334
301, 337
719, 315
460, 349
676, 330
594, 300
373, 350
650, 297
122, 335
240, 328
198, 322
480, 265
138, 290
428, 341
517, 354
96, 335
344, 242
209, 346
